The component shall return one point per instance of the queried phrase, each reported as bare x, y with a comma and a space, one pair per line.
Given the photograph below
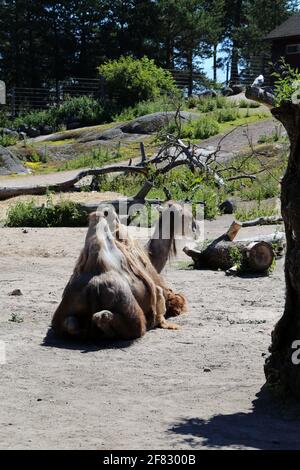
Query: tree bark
256, 257
280, 367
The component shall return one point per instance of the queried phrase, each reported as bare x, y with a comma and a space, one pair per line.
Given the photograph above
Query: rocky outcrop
152, 123
10, 164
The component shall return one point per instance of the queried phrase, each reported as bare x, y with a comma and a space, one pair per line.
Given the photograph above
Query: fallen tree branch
260, 95
273, 220
7, 192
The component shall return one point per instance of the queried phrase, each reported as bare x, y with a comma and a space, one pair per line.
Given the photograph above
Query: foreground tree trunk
281, 367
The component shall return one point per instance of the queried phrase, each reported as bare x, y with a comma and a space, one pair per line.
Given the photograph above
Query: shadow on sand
51, 341
270, 425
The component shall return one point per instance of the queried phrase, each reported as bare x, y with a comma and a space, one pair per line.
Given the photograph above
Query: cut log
254, 257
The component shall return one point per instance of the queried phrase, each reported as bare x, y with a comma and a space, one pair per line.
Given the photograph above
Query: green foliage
236, 256
63, 214
287, 83
7, 140
200, 129
208, 104
276, 136
37, 119
131, 80
245, 104
162, 103
226, 115
260, 210
83, 109
97, 158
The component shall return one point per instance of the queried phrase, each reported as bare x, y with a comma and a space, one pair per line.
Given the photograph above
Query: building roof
289, 28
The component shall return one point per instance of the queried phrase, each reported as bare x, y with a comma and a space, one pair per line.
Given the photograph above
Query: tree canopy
51, 40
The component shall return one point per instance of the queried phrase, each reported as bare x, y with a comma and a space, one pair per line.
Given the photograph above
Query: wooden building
285, 41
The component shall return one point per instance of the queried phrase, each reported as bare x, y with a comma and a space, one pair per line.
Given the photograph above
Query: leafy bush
7, 140
248, 104
261, 210
83, 109
131, 80
287, 83
97, 158
37, 119
226, 115
201, 129
63, 214
206, 105
162, 103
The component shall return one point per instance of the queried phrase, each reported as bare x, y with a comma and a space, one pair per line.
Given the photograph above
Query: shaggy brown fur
111, 293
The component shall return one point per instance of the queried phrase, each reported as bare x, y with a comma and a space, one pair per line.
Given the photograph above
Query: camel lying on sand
116, 291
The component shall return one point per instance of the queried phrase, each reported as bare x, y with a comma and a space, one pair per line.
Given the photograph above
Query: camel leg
125, 326
161, 321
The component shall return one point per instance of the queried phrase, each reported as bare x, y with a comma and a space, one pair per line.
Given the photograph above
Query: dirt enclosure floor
199, 387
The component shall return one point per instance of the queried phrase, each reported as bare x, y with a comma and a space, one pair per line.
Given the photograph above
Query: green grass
29, 214
96, 158
8, 140
248, 104
261, 210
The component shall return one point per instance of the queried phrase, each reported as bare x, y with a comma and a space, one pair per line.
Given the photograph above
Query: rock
237, 89
227, 91
23, 128
33, 132
46, 130
227, 207
154, 122
109, 134
206, 369
208, 94
10, 164
16, 293
10, 132
73, 125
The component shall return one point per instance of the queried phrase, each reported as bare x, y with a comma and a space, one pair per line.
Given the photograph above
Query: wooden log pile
254, 255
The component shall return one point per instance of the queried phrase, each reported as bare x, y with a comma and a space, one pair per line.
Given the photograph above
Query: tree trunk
281, 368
215, 57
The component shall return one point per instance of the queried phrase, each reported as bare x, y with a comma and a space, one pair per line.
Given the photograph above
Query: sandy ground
153, 393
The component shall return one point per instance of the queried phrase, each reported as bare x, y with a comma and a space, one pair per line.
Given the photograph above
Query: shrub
83, 109
205, 128
226, 115
63, 214
37, 119
162, 103
131, 80
248, 104
287, 81
206, 105
259, 211
7, 140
